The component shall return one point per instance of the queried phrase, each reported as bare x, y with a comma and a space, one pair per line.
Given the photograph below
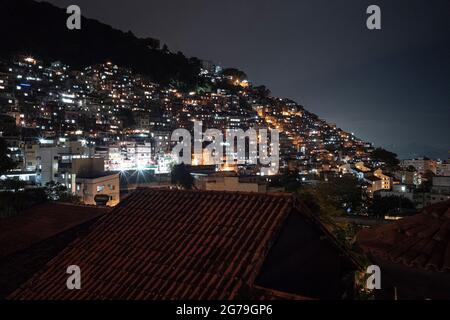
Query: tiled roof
41, 222
16, 268
169, 244
261, 293
421, 241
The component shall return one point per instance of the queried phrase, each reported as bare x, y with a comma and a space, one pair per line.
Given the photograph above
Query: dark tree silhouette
180, 176
6, 163
381, 206
235, 73
382, 155
427, 181
39, 29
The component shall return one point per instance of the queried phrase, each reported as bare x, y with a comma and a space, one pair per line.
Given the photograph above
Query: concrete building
87, 165
443, 168
399, 190
440, 192
129, 155
422, 165
161, 142
408, 177
55, 160
386, 181
31, 155
143, 155
88, 186
47, 164
374, 184
231, 182
441, 185
361, 167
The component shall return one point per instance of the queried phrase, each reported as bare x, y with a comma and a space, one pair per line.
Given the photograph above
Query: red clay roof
42, 222
168, 244
421, 241
262, 293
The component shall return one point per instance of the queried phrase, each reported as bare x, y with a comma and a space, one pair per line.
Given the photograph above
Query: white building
129, 156
422, 165
161, 141
441, 185
54, 161
443, 168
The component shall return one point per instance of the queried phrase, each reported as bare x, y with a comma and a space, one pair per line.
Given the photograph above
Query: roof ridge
207, 235
270, 194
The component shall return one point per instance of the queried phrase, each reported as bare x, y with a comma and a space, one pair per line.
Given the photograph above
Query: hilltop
29, 27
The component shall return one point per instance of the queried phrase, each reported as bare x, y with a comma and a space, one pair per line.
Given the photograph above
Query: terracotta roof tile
420, 241
169, 244
41, 222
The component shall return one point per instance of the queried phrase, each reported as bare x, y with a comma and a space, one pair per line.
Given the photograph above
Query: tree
8, 125
289, 180
330, 200
235, 73
382, 206
262, 91
427, 181
342, 192
6, 163
180, 176
152, 43
12, 203
333, 197
12, 185
58, 192
310, 199
126, 115
382, 155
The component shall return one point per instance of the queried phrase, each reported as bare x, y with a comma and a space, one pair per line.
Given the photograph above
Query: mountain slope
29, 27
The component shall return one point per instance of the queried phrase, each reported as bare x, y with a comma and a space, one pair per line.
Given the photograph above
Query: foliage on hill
28, 27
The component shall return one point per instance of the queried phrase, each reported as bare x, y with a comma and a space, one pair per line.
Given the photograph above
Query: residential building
441, 185
161, 142
88, 186
440, 192
228, 181
443, 168
400, 190
31, 156
408, 177
386, 181
422, 165
362, 167
374, 184
129, 155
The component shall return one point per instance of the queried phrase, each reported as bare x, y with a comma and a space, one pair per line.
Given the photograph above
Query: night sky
391, 87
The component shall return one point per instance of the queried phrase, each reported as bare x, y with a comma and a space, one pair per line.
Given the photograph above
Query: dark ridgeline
28, 27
